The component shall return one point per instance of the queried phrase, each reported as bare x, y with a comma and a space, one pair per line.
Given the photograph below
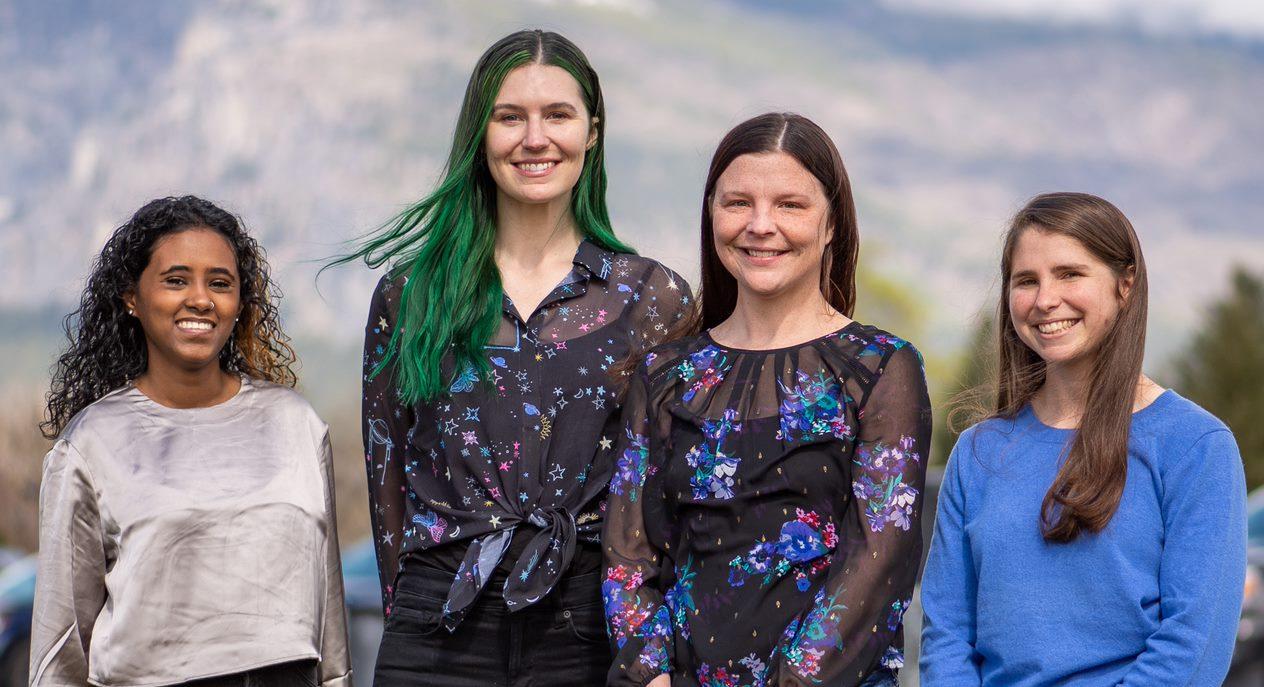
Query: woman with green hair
490, 392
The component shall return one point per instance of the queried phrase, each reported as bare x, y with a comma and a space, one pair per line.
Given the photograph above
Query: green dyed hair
445, 242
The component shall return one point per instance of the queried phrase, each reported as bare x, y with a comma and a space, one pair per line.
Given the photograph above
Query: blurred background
316, 120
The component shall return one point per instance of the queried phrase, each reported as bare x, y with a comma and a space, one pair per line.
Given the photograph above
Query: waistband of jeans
420, 579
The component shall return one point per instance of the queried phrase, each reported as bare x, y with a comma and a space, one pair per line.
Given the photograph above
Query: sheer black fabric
505, 476
763, 524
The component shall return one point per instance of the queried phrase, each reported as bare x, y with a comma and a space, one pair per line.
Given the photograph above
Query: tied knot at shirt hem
535, 573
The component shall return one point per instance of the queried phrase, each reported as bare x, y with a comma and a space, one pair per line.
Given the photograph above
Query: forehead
1037, 248
192, 247
774, 172
539, 84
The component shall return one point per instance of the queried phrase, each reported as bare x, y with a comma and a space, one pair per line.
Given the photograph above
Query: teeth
763, 253
535, 166
1055, 327
188, 324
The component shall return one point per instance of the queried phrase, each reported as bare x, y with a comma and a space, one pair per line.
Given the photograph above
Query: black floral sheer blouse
763, 524
506, 476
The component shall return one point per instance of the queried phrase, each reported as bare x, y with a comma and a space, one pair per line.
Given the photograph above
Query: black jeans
559, 641
293, 674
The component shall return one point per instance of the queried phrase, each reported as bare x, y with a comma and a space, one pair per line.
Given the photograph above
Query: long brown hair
1086, 491
808, 143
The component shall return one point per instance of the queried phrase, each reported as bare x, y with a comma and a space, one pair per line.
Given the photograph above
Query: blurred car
1247, 669
17, 598
364, 608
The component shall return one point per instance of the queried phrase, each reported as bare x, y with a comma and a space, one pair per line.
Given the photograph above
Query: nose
534, 138
761, 222
1048, 298
199, 299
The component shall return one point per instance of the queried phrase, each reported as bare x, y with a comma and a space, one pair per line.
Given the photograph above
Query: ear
592, 133
129, 301
1126, 281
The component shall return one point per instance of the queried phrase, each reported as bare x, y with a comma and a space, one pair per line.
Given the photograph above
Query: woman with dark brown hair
1092, 529
763, 520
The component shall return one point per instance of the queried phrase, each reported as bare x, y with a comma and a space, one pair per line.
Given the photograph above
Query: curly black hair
107, 346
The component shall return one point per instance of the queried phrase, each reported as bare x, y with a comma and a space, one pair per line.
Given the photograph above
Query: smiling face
769, 219
537, 136
187, 299
1062, 298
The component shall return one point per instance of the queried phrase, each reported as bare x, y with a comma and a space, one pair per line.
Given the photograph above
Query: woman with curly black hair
186, 510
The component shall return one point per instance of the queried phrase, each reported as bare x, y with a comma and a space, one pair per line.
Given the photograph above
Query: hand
663, 680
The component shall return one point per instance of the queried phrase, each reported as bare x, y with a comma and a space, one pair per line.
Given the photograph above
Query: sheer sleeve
854, 623
335, 664
386, 422
70, 589
638, 620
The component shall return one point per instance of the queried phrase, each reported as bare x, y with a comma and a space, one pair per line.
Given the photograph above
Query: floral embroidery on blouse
713, 469
630, 467
804, 546
807, 641
881, 484
813, 408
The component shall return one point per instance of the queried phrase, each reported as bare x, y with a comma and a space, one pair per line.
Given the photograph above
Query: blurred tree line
1220, 369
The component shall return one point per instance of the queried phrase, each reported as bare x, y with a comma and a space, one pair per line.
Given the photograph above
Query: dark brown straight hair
1086, 491
800, 138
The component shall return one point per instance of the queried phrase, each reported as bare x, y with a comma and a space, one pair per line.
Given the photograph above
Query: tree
1222, 369
971, 393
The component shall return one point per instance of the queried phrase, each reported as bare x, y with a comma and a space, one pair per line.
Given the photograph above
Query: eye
174, 281
559, 115
737, 203
510, 118
221, 284
792, 205
1071, 274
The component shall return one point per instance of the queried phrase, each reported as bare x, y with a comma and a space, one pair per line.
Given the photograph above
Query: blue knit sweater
1152, 600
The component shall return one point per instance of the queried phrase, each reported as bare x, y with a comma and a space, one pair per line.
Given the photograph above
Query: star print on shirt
558, 472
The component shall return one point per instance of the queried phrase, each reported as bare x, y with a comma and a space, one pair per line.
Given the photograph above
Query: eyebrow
185, 268
551, 106
1077, 267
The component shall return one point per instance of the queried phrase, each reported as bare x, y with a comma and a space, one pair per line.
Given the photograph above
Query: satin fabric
181, 544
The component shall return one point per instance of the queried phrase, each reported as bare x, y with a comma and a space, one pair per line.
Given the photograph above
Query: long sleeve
335, 662
70, 588
386, 421
854, 623
1202, 568
950, 587
638, 620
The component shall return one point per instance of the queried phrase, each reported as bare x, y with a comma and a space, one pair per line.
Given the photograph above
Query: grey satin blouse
178, 544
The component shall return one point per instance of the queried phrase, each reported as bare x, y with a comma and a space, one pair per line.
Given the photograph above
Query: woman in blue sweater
1092, 530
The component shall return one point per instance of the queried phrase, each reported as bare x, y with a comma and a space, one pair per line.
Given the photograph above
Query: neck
526, 234
776, 321
177, 387
1061, 400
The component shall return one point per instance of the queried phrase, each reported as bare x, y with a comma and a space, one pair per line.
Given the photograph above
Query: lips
1055, 327
195, 326
535, 168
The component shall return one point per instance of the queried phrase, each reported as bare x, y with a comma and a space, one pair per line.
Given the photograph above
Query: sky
1243, 18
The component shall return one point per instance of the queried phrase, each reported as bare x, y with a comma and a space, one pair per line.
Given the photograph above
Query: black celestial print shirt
506, 476
764, 514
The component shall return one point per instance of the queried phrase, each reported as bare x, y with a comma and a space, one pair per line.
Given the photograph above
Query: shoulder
387, 292
101, 413
883, 354
1176, 425
659, 364
284, 400
648, 273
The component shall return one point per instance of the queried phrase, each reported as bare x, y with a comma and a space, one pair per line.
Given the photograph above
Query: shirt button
566, 614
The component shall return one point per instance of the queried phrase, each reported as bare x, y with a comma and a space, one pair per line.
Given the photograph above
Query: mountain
316, 121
